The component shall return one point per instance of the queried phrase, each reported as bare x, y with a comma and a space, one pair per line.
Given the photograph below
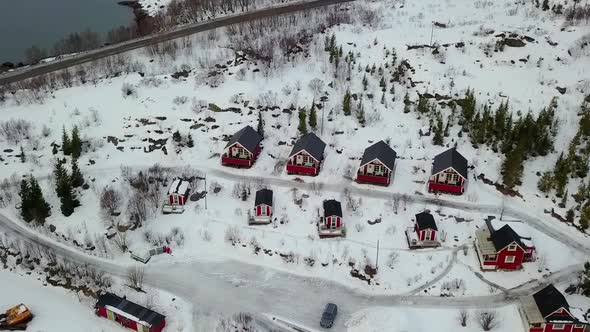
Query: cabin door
370, 169
299, 159
110, 315
175, 199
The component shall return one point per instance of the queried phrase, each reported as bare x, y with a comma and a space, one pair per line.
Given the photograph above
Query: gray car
329, 315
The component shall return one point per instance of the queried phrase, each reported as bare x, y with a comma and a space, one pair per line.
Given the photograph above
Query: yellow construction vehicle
15, 318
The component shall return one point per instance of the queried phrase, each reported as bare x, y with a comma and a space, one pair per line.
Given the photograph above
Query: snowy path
440, 276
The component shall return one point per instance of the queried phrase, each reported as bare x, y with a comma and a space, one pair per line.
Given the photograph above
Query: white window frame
379, 169
235, 151
263, 210
559, 326
578, 326
370, 169
512, 247
509, 259
334, 222
452, 178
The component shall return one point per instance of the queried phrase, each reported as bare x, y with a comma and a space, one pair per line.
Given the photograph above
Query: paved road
185, 30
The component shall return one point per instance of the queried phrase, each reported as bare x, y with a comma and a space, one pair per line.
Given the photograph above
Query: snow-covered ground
118, 115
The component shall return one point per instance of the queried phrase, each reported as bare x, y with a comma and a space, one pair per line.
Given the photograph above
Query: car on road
329, 315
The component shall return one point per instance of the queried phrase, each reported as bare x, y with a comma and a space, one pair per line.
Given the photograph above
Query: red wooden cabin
501, 249
377, 164
263, 207
548, 311
129, 314
306, 156
242, 149
449, 173
331, 224
425, 227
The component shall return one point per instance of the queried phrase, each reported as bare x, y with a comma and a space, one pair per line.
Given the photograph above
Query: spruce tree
383, 98
66, 144
313, 120
512, 167
422, 106
26, 204
365, 83
545, 183
77, 180
407, 103
190, 143
360, 113
41, 209
69, 201
76, 143
23, 158
176, 137
561, 172
62, 180
54, 150
586, 280
346, 107
438, 139
302, 123
260, 126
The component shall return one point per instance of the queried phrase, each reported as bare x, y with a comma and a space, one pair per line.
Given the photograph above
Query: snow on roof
178, 186
127, 315
520, 228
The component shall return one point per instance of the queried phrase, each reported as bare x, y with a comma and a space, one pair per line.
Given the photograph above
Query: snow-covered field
118, 116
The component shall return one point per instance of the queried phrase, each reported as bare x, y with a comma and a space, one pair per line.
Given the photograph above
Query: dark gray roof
263, 196
382, 152
504, 236
142, 313
247, 137
332, 208
549, 299
450, 158
425, 220
310, 143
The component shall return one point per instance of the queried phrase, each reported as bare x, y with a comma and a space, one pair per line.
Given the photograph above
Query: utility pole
431, 33
377, 258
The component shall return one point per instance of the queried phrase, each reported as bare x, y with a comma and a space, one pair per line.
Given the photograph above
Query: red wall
158, 328
262, 206
519, 258
331, 219
422, 235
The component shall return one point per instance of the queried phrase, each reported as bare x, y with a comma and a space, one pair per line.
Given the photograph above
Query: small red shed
129, 314
263, 207
242, 149
548, 311
306, 156
178, 192
331, 224
426, 227
449, 173
377, 164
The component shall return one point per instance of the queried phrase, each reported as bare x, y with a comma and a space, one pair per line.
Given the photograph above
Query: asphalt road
185, 30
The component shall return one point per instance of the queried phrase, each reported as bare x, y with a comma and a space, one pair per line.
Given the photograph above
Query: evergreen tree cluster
71, 146
302, 123
33, 204
333, 49
65, 184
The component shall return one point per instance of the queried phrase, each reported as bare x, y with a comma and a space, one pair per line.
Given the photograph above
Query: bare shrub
15, 130
233, 235
137, 208
463, 316
46, 131
180, 100
135, 277
121, 241
110, 201
487, 319
128, 90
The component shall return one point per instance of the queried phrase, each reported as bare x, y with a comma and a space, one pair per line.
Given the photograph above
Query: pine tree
382, 83
512, 167
545, 5
41, 209
327, 43
383, 98
23, 158
77, 180
407, 103
66, 144
54, 150
313, 120
333, 42
563, 202
360, 113
190, 143
62, 180
570, 215
26, 204
69, 201
586, 280
76, 143
365, 83
561, 172
545, 183
422, 106
302, 123
438, 139
260, 127
346, 107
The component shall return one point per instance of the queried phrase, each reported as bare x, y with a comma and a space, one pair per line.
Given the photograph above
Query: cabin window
509, 259
490, 258
452, 178
263, 211
370, 168
379, 169
579, 326
558, 326
512, 247
307, 160
299, 159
